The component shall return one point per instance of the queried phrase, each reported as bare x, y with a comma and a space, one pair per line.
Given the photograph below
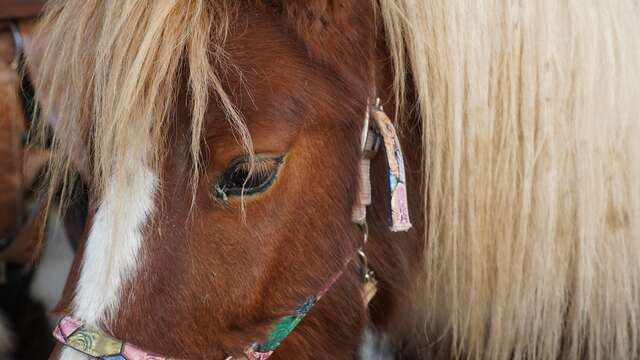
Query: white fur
112, 252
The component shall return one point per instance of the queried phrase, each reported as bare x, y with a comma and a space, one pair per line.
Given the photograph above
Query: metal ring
364, 262
365, 232
377, 105
18, 43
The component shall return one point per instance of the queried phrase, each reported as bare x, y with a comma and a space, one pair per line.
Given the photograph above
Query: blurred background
35, 256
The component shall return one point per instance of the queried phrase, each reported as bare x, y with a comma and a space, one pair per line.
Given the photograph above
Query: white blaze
112, 251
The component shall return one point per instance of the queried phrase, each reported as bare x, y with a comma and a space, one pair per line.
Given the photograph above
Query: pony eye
248, 176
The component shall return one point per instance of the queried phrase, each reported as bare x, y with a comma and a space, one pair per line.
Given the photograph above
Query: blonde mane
117, 95
532, 172
531, 149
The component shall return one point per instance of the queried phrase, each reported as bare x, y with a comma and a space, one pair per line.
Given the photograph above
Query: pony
220, 144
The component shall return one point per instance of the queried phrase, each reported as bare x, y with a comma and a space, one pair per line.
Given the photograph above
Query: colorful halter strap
97, 344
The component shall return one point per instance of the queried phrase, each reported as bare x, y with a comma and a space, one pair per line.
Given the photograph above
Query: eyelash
237, 179
260, 167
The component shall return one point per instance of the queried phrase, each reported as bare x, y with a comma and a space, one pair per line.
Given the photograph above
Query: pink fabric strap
97, 344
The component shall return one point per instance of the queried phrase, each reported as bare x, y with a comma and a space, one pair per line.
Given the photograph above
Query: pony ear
338, 33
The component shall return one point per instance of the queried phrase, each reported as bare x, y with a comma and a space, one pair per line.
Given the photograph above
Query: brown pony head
195, 249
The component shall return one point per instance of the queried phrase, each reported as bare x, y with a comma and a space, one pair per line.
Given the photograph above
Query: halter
95, 343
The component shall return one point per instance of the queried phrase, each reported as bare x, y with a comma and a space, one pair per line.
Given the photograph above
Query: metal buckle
370, 283
371, 138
